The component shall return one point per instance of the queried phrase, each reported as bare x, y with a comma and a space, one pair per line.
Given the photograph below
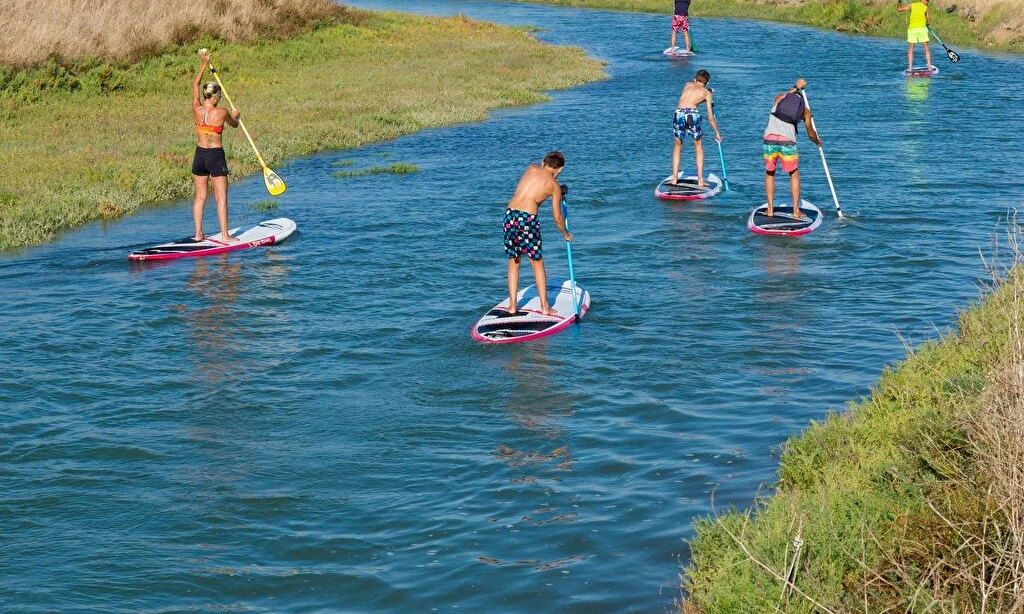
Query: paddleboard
783, 222
686, 188
528, 323
264, 233
677, 52
922, 71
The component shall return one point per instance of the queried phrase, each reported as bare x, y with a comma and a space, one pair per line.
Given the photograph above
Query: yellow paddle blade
275, 185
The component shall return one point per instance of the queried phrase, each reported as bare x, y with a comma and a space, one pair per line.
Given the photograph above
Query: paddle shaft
725, 174
952, 55
568, 252
824, 163
213, 71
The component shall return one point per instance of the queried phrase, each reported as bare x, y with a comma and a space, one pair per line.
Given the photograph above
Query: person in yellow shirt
917, 30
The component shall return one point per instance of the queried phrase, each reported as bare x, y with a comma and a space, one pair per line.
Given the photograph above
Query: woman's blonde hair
210, 90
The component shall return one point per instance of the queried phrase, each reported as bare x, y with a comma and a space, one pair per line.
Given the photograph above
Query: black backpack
790, 109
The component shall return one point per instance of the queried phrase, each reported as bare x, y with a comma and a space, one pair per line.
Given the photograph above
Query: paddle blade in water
275, 185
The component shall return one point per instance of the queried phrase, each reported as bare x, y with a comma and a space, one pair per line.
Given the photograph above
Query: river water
309, 427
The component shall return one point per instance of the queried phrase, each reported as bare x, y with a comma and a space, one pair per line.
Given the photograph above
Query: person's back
693, 95
535, 186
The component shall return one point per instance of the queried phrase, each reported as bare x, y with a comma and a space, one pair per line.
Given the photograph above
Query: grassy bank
85, 139
910, 501
985, 24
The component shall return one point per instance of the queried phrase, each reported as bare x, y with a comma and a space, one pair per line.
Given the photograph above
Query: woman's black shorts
210, 161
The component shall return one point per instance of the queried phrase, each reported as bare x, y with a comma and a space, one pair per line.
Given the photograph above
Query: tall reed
34, 30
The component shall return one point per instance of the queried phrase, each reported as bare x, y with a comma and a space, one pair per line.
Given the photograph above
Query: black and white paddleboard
264, 233
528, 323
686, 187
783, 222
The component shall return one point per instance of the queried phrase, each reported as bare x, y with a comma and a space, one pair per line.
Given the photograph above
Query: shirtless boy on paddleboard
522, 226
687, 120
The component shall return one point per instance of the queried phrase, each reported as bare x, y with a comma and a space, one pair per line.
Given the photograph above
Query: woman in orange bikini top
209, 166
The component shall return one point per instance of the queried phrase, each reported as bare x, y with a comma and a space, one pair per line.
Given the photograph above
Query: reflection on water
917, 88
781, 258
214, 343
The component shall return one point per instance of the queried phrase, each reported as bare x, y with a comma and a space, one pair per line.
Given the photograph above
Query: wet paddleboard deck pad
264, 233
783, 222
922, 71
686, 187
528, 323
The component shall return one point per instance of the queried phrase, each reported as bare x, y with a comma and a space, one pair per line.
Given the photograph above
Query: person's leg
198, 204
769, 191
794, 188
686, 38
927, 55
220, 194
910, 56
698, 148
513, 283
672, 44
541, 279
676, 153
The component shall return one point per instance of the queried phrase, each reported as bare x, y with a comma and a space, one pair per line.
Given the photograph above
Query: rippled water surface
309, 427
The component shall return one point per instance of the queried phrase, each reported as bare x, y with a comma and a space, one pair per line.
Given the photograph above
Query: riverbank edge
986, 32
892, 500
485, 65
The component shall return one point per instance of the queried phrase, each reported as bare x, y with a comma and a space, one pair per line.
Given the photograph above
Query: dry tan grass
127, 29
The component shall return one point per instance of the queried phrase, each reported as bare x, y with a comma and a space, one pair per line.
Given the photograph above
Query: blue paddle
568, 252
721, 156
725, 175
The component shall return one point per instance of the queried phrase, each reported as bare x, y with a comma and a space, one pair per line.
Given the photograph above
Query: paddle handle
824, 163
241, 125
568, 253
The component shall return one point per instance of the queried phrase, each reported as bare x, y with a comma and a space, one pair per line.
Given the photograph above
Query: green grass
850, 16
94, 141
865, 485
267, 204
398, 168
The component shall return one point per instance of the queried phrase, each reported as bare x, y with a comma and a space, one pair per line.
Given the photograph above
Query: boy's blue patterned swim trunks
522, 234
687, 121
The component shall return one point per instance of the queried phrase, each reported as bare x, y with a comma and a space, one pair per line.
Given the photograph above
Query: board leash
572, 274
824, 163
952, 55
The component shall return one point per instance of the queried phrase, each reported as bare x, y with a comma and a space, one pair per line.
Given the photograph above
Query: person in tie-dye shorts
788, 110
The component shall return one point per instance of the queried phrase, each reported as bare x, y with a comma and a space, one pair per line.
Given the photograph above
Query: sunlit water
309, 427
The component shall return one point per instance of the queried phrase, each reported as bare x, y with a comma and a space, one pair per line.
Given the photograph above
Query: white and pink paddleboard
264, 233
922, 71
686, 187
677, 52
528, 323
783, 222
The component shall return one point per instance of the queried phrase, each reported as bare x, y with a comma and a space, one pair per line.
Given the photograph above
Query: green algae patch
398, 168
993, 25
91, 141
